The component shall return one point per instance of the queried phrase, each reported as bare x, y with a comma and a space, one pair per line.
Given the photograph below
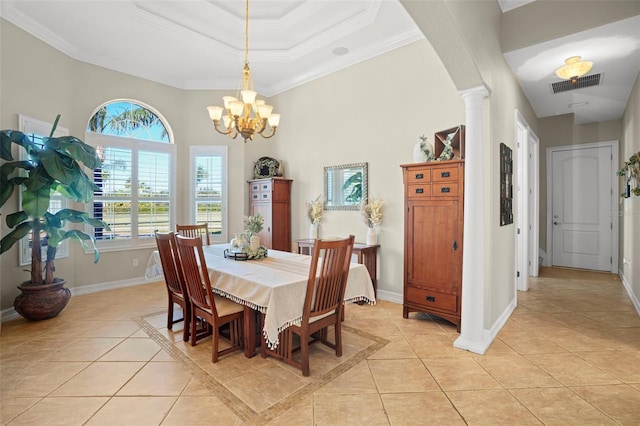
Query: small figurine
447, 152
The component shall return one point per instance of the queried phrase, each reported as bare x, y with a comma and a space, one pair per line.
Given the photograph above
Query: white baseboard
389, 296
481, 346
10, 313
632, 296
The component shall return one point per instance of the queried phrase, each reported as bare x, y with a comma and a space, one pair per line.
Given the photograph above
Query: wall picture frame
506, 185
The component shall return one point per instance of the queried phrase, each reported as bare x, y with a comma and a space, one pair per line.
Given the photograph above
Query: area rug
257, 389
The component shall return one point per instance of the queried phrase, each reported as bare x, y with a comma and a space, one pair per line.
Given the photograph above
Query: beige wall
372, 112
47, 82
630, 219
542, 21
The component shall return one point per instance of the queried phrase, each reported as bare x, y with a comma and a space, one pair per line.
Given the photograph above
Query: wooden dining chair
199, 230
323, 305
216, 310
174, 280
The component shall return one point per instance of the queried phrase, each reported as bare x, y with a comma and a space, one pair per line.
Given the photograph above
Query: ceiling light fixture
573, 69
238, 118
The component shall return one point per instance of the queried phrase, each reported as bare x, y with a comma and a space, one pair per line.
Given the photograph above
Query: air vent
566, 85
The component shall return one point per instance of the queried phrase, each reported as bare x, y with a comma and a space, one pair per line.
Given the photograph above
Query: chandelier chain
246, 34
245, 114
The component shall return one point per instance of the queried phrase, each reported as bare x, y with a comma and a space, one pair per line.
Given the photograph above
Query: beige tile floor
569, 355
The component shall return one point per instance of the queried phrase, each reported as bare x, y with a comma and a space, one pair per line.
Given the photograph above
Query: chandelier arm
216, 125
273, 132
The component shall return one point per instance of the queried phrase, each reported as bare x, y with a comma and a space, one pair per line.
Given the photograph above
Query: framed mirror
345, 186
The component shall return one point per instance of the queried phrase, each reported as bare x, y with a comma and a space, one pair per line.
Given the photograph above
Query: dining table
272, 288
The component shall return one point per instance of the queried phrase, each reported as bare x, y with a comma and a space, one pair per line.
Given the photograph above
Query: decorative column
472, 335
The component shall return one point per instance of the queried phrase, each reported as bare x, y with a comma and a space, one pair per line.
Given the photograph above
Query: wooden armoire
433, 225
271, 197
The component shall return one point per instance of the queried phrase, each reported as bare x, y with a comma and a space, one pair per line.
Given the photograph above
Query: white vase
372, 237
418, 155
313, 231
254, 243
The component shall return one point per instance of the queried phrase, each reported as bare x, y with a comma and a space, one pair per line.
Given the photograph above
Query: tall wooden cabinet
272, 199
433, 224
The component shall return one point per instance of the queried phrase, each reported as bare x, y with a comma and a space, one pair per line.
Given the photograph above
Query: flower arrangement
254, 224
314, 210
371, 212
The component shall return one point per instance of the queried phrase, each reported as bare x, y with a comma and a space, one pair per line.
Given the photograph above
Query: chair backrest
327, 277
195, 272
171, 265
200, 230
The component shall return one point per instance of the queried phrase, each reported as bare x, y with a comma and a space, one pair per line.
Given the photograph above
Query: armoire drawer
418, 191
445, 174
432, 299
445, 189
418, 176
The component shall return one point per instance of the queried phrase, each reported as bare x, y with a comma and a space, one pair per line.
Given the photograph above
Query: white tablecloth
275, 285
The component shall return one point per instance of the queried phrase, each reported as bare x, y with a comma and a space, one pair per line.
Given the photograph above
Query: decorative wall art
506, 185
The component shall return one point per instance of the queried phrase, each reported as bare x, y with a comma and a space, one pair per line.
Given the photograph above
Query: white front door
582, 195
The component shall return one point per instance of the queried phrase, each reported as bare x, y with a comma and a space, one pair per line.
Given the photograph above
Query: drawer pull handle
431, 298
445, 174
265, 195
255, 196
445, 189
419, 176
419, 190
455, 245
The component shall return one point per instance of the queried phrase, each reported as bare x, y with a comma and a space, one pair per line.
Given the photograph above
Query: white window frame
29, 125
137, 145
204, 150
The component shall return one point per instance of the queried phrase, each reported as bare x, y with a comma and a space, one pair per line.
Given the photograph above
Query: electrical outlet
135, 262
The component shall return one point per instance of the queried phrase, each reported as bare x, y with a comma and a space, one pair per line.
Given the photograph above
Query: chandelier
245, 115
573, 69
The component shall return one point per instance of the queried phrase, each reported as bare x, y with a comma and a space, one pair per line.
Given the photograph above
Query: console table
365, 254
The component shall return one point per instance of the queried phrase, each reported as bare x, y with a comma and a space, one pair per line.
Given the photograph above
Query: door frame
613, 208
527, 202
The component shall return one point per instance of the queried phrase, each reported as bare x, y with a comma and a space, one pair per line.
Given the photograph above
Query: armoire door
435, 231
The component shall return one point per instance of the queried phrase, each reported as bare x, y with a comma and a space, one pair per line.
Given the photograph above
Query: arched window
137, 177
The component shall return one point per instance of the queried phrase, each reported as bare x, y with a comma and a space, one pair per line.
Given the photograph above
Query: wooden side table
365, 254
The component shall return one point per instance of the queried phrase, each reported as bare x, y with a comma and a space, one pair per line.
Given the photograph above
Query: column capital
478, 91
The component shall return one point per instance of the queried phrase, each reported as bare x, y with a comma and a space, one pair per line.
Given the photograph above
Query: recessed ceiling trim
19, 19
342, 62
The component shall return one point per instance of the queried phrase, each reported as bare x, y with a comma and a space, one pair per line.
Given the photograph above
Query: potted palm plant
52, 166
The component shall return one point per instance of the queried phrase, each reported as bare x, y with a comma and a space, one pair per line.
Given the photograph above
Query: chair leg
170, 314
187, 323
214, 344
194, 323
338, 336
304, 353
